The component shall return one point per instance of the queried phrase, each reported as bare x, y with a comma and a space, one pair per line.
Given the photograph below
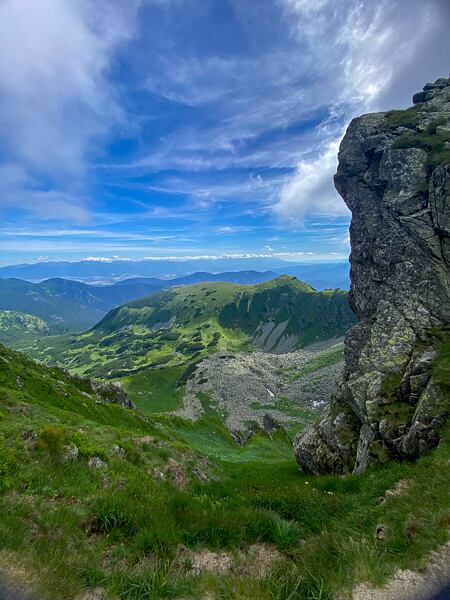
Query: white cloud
19, 190
104, 259
55, 99
372, 56
311, 190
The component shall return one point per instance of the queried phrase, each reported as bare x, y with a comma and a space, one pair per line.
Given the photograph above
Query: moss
390, 386
430, 141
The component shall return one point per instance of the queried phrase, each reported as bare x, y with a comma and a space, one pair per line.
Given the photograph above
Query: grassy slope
181, 325
20, 329
313, 315
72, 527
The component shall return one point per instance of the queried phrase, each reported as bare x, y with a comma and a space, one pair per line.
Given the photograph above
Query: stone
113, 393
70, 453
199, 475
97, 463
176, 474
380, 532
117, 451
388, 406
158, 474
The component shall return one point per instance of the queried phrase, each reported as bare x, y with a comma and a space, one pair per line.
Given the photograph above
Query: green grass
325, 359
20, 330
405, 118
72, 527
429, 140
184, 324
155, 390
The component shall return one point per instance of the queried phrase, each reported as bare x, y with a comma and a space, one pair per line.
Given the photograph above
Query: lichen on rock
394, 175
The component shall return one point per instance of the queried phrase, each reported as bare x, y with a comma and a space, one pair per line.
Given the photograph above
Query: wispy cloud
372, 56
183, 122
55, 97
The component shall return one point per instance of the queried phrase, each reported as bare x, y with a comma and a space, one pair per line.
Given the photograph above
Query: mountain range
78, 306
99, 271
174, 327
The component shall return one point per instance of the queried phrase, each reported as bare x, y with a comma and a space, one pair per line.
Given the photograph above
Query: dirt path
433, 583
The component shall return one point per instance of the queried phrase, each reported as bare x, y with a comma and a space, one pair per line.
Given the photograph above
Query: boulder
397, 185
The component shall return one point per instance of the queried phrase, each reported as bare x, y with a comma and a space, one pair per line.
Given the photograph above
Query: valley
236, 351
134, 506
241, 435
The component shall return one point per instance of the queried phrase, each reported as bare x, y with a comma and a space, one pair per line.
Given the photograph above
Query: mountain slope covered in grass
184, 324
18, 328
98, 499
79, 306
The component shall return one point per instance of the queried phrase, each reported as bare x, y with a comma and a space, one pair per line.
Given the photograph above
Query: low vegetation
21, 330
94, 496
433, 139
184, 324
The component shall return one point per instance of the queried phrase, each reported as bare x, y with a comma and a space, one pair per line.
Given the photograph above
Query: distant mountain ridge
97, 272
110, 271
176, 326
79, 305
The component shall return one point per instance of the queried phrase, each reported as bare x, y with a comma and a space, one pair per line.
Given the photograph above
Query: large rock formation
394, 175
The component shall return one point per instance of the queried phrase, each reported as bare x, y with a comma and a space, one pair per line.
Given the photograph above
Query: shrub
51, 439
86, 448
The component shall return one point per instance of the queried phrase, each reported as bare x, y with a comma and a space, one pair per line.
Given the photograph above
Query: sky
152, 128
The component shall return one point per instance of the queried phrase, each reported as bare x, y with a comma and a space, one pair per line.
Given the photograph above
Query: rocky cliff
394, 175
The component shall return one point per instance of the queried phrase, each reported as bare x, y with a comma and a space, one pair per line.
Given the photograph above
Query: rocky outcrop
112, 392
394, 175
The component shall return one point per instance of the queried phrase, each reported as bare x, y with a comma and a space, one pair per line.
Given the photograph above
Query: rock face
394, 175
112, 392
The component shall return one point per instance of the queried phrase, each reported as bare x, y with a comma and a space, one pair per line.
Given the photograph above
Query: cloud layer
153, 124
55, 97
372, 56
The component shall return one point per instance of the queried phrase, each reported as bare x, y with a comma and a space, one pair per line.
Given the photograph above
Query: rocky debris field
244, 387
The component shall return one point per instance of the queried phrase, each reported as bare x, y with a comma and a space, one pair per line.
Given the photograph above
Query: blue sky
194, 127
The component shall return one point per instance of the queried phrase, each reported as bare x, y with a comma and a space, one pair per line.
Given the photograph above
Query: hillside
177, 326
18, 328
98, 501
79, 306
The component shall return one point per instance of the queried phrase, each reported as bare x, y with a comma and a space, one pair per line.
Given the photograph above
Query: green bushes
51, 440
85, 446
